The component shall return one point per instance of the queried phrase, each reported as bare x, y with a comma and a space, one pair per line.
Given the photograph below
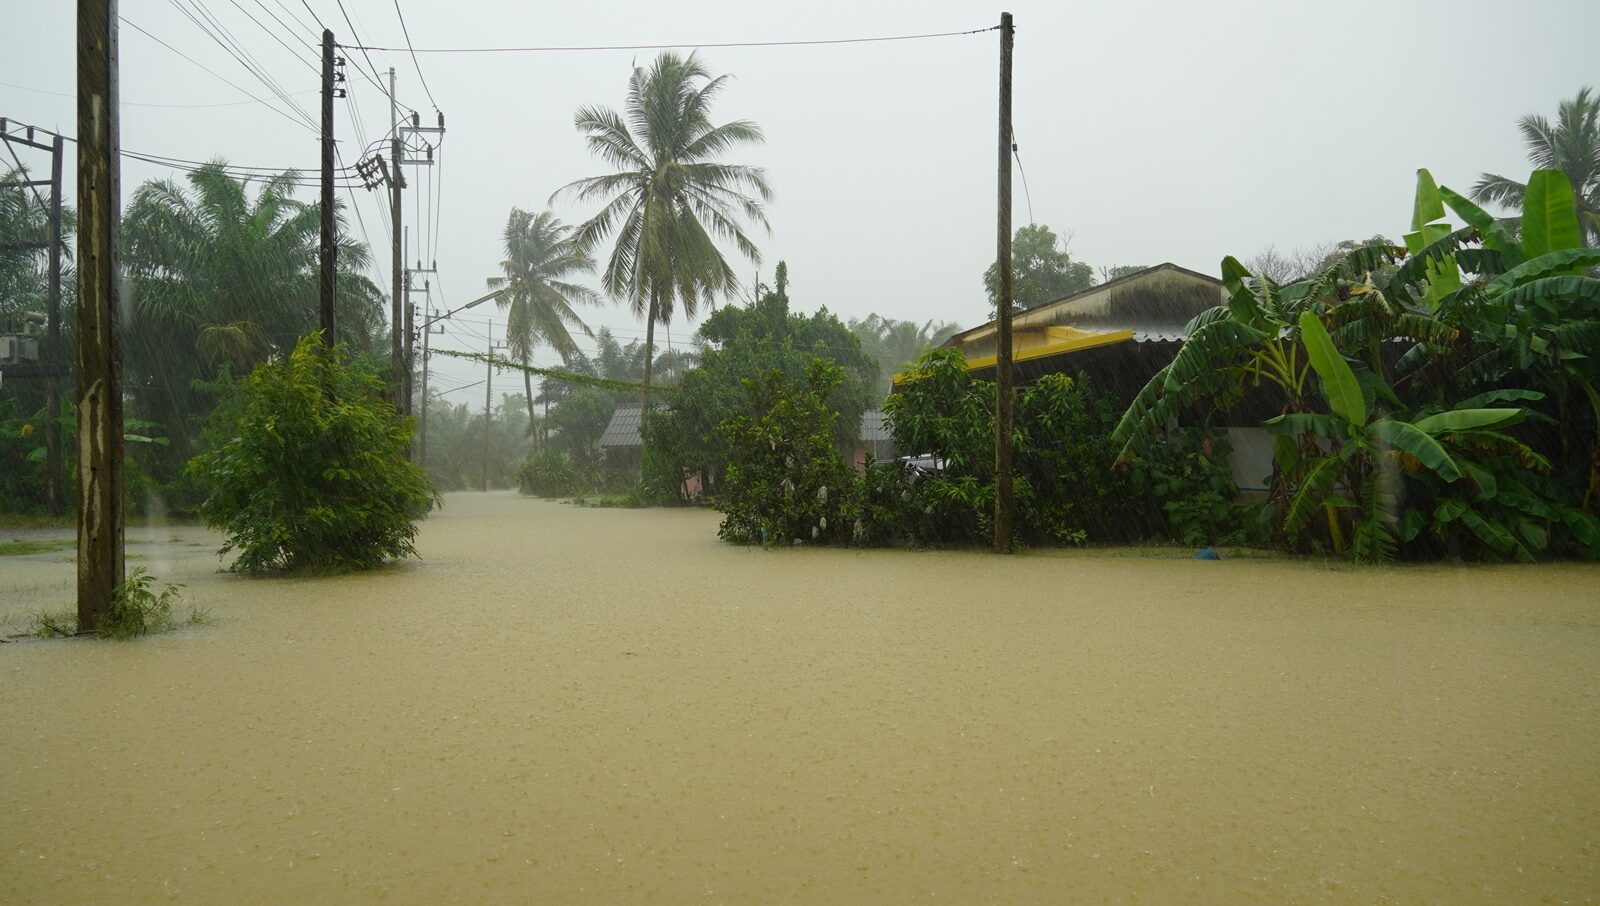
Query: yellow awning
1058, 340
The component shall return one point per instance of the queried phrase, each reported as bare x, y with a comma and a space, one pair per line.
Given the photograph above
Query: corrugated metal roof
623, 429
873, 428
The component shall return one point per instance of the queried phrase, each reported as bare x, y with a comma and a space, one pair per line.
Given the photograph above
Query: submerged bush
786, 480
547, 473
314, 475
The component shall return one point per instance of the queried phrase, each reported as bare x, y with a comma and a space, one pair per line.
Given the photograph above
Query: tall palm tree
539, 253
1572, 146
671, 198
216, 277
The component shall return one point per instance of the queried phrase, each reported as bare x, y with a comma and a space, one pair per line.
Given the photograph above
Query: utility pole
53, 470
415, 128
327, 251
1003, 505
422, 428
99, 390
396, 255
488, 397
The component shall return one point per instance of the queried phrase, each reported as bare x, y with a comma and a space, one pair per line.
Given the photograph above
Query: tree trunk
527, 390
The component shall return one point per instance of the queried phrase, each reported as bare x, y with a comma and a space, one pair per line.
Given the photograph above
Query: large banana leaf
1408, 437
1429, 205
1555, 293
1214, 346
1339, 382
1314, 490
1567, 262
1469, 420
1499, 396
1427, 256
1495, 235
1549, 215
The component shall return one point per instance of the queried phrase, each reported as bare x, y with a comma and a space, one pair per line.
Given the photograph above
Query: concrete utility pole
396, 256
1003, 504
488, 398
99, 392
329, 336
422, 426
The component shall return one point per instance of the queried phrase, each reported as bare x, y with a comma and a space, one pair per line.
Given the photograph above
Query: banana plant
1359, 452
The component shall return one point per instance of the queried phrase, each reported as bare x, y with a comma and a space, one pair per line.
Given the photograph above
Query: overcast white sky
1152, 131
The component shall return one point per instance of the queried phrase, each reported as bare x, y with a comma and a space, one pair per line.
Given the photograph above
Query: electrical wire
1026, 193
407, 32
576, 48
63, 94
287, 116
239, 54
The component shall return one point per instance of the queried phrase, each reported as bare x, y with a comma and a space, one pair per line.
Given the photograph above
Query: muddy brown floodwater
563, 705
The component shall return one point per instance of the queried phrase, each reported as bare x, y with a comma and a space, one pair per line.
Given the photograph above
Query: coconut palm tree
1571, 145
539, 253
671, 198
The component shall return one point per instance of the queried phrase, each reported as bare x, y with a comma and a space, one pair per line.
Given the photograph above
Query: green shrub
136, 610
786, 480
547, 473
314, 475
1066, 488
1188, 477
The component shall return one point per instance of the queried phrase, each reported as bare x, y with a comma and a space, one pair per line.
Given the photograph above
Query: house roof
623, 429
1109, 306
873, 429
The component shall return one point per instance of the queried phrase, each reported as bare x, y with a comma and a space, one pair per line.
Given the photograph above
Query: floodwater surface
567, 705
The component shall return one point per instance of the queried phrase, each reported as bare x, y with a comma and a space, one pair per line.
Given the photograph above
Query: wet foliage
314, 476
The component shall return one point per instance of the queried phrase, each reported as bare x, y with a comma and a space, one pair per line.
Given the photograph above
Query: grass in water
18, 548
136, 610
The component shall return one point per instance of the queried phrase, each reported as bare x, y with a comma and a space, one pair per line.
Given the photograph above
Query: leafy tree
1042, 270
895, 344
671, 197
1118, 271
315, 475
217, 279
1571, 145
456, 443
539, 254
741, 344
786, 481
1065, 487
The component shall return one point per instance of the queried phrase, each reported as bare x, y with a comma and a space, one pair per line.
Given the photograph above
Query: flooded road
601, 706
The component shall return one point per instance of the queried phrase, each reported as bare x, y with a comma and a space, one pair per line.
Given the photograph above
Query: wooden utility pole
396, 256
99, 390
1003, 505
54, 472
329, 336
488, 399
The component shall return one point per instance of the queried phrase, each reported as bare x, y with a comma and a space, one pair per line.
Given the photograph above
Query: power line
574, 48
405, 31
274, 35
1026, 192
180, 53
237, 51
63, 94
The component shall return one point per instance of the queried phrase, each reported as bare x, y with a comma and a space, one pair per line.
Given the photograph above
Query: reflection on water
592, 706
